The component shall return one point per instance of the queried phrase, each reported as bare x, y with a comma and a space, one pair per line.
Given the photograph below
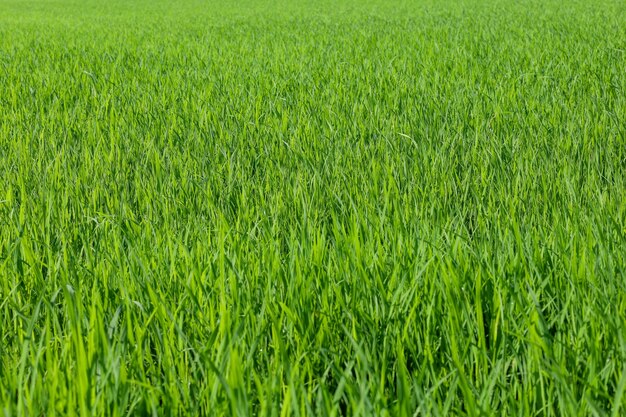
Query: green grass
292, 208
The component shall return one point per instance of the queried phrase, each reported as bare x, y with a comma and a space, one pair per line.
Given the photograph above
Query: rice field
313, 208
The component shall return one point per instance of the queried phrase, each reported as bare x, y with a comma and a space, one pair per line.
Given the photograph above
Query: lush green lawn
291, 208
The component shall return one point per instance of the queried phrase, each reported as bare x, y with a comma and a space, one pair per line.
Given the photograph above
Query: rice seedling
274, 208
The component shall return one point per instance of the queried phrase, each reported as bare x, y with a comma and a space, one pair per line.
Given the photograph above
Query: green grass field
313, 208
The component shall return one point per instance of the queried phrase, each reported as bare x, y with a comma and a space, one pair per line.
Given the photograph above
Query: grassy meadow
313, 208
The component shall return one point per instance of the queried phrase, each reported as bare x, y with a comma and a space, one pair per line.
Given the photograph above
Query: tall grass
301, 208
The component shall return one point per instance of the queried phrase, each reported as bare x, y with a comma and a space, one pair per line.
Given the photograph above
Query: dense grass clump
279, 208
